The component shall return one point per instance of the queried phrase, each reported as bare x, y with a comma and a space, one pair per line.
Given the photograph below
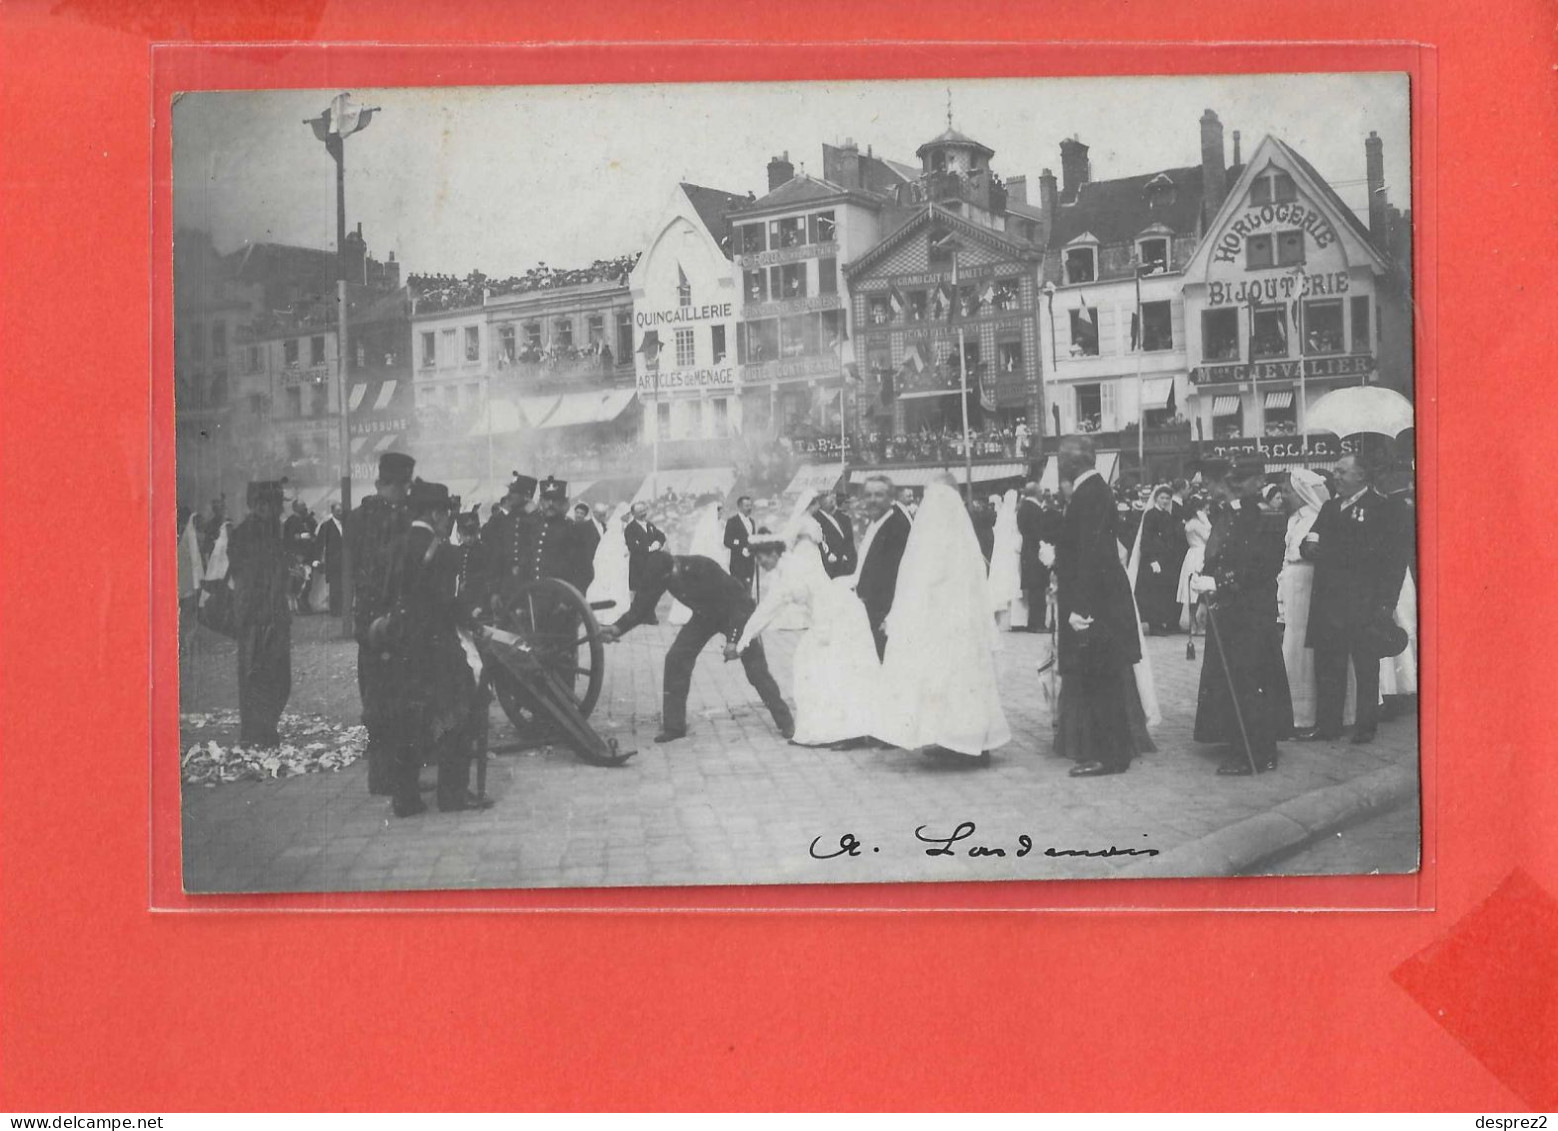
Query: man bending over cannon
720, 605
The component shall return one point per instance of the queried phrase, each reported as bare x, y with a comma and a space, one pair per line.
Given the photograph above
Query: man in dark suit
1096, 623
1360, 549
720, 606
590, 533
1244, 701
838, 537
738, 535
1034, 573
881, 551
330, 544
643, 538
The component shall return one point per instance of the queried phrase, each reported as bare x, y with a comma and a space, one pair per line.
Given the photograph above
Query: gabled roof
1116, 211
920, 220
1323, 187
803, 189
950, 136
714, 207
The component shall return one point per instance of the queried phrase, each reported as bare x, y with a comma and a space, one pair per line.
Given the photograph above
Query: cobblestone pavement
733, 803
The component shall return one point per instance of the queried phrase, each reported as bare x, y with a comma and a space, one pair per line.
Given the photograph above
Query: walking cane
1238, 715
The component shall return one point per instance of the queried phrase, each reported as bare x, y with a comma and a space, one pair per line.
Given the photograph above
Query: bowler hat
396, 467
1383, 638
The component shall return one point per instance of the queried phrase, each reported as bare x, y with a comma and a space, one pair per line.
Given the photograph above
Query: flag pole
968, 449
1141, 412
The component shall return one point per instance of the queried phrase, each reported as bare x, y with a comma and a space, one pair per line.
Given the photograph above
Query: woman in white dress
708, 541
1006, 568
611, 567
1198, 528
939, 686
835, 667
1305, 493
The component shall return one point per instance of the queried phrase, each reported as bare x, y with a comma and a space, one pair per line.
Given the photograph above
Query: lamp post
341, 119
650, 348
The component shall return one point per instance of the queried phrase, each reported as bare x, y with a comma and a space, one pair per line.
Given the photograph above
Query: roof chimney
1017, 189
1048, 197
1237, 160
849, 165
1374, 170
1214, 176
1074, 168
779, 170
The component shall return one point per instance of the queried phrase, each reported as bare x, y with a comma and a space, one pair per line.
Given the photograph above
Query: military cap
523, 486
426, 496
396, 467
554, 489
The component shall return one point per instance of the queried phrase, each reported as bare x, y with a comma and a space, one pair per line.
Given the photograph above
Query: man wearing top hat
1244, 701
439, 706
720, 606
375, 525
259, 566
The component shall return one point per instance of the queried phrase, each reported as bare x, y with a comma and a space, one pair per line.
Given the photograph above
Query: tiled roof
1335, 201
1115, 211
714, 207
797, 190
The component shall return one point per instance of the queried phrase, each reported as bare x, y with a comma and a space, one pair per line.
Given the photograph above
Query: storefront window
1323, 328
821, 225
1089, 408
1281, 414
789, 232
1157, 326
758, 340
879, 310
1227, 424
790, 281
1362, 342
792, 336
1220, 334
1269, 333
1258, 252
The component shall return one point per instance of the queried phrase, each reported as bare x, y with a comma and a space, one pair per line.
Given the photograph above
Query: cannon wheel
555, 620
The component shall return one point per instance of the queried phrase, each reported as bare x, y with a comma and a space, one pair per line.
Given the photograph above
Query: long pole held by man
341, 119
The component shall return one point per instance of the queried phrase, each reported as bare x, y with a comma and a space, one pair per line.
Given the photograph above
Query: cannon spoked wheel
555, 621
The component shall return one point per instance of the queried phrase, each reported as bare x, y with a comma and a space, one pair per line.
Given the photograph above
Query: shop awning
504, 417
372, 396
812, 478
1312, 464
1225, 406
920, 394
596, 407
1107, 464
1156, 392
687, 481
1280, 399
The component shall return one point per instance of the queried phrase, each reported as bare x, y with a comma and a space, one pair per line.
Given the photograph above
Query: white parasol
1361, 408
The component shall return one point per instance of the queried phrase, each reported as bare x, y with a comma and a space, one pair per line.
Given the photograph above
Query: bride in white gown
611, 568
939, 675
836, 669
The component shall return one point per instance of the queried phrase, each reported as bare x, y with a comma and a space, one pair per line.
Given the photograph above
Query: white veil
942, 557
1146, 685
1005, 557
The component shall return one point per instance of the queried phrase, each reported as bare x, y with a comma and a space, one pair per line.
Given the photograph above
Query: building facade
686, 308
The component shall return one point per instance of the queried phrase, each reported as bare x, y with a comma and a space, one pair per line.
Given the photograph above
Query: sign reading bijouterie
1276, 288
645, 318
1346, 365
1321, 446
788, 254
783, 306
719, 377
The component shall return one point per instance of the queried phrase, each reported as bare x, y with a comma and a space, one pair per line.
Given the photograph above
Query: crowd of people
1299, 584
453, 292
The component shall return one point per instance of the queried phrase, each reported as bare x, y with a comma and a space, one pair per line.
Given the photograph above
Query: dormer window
1153, 254
1273, 187
1081, 264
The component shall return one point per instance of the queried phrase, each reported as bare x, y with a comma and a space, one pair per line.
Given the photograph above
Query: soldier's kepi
375, 526
529, 547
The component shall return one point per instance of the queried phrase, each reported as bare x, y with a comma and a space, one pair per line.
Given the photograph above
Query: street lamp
650, 347
341, 119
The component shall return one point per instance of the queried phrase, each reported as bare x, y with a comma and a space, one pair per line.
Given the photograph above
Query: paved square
733, 803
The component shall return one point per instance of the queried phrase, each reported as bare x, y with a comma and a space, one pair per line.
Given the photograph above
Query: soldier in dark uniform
473, 578
375, 525
1360, 544
552, 545
1244, 643
439, 708
261, 575
720, 606
517, 502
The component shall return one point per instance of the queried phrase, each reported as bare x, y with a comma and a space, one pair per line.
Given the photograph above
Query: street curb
1237, 849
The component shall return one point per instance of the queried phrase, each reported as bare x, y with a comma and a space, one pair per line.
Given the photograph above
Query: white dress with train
939, 679
611, 569
1006, 568
836, 671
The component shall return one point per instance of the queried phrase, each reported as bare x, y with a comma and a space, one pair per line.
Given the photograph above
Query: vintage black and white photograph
795, 483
